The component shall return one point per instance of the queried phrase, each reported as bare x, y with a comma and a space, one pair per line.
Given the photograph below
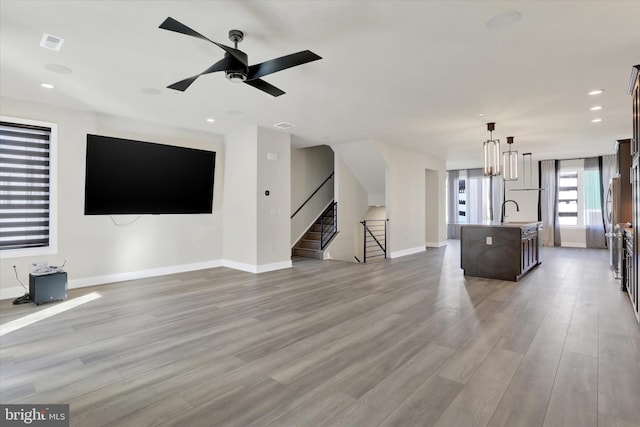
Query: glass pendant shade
492, 157
510, 163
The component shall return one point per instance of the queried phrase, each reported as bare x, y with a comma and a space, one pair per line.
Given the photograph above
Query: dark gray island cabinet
505, 252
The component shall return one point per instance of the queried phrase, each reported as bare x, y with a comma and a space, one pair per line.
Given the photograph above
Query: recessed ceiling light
481, 115
47, 85
150, 91
595, 92
596, 120
596, 108
57, 68
211, 120
504, 20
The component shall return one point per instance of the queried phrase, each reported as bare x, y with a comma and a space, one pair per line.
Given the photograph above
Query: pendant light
491, 153
527, 171
510, 162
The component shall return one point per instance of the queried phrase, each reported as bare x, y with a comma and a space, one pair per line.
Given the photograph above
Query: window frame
52, 248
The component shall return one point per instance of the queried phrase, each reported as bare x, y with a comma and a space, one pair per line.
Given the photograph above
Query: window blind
24, 186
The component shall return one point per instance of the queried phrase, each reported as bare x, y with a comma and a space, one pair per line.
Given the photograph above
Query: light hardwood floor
405, 342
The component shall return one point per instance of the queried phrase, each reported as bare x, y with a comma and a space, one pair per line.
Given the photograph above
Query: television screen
133, 177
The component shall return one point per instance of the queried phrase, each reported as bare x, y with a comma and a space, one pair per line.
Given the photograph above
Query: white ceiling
412, 73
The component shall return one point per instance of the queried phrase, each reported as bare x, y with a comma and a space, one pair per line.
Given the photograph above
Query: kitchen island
505, 252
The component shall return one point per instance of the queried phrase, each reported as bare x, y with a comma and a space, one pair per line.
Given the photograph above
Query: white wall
256, 226
367, 165
309, 168
376, 212
435, 218
406, 191
352, 205
240, 205
97, 251
274, 175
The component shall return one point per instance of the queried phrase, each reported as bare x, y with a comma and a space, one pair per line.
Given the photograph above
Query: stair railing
312, 194
328, 224
375, 238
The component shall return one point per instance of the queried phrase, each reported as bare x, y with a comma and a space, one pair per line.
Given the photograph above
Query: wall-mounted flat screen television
133, 177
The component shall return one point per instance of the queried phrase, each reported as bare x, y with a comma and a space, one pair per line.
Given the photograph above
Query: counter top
514, 224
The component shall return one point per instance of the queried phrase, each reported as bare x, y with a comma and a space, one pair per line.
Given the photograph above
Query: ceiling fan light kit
235, 63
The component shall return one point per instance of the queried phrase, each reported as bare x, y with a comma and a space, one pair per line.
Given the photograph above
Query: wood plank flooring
404, 342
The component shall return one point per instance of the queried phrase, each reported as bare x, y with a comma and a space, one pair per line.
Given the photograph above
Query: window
27, 222
571, 192
568, 198
462, 200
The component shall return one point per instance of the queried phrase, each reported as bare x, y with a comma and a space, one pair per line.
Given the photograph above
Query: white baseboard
9, 293
573, 245
141, 274
14, 292
251, 268
435, 244
405, 252
264, 268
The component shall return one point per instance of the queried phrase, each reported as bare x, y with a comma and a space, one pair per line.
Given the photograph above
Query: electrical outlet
489, 240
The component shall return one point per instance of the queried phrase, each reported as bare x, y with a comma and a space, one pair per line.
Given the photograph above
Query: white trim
435, 244
264, 268
251, 268
405, 252
14, 292
573, 245
141, 274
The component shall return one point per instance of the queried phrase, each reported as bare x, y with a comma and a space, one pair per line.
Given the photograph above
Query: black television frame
130, 177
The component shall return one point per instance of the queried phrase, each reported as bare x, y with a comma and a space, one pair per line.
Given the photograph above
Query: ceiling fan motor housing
237, 72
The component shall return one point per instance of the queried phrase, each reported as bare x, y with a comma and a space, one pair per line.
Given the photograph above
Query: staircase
313, 242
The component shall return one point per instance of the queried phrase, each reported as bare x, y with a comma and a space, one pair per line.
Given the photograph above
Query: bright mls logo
35, 415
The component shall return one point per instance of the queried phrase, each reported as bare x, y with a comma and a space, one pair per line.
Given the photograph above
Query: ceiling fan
235, 63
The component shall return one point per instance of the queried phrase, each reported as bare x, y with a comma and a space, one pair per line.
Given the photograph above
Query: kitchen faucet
504, 205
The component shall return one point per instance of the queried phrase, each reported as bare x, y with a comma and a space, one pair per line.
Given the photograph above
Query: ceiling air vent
283, 125
51, 42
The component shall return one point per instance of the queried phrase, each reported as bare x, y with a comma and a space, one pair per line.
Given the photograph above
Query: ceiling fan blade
265, 87
221, 65
278, 64
182, 85
171, 24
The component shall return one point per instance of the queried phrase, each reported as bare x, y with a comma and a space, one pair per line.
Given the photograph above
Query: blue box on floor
48, 287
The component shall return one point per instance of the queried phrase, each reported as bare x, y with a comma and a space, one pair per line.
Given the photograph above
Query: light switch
489, 240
